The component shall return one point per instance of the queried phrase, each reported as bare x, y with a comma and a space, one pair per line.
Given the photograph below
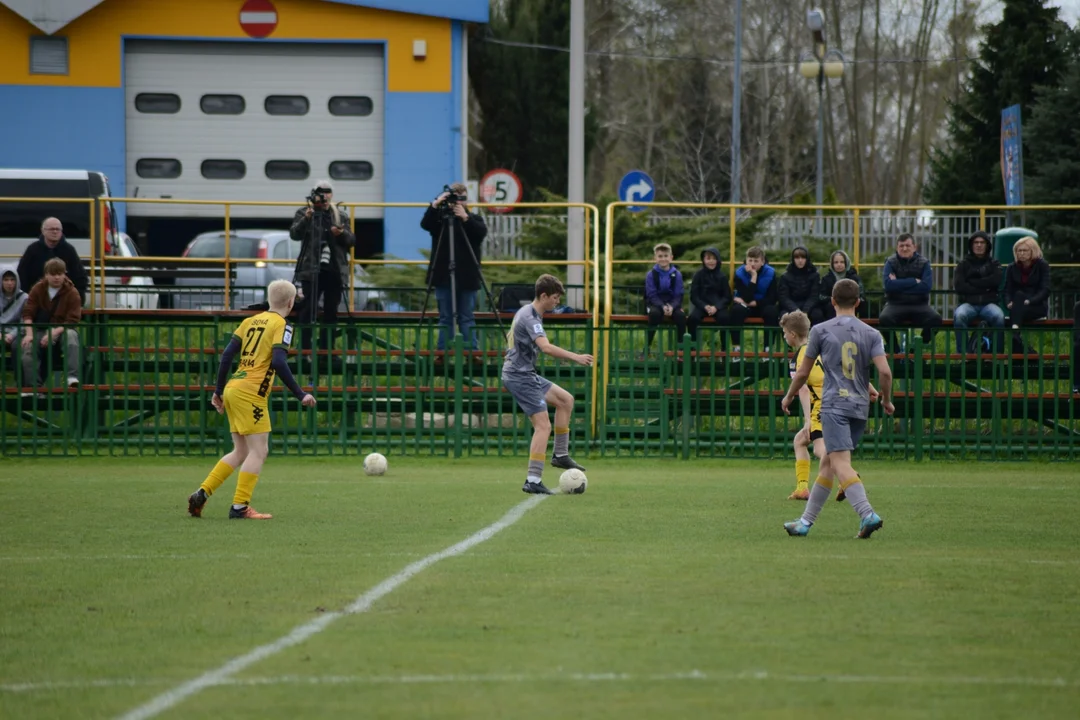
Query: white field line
301, 633
590, 677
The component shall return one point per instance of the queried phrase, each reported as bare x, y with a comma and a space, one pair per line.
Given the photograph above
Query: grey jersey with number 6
847, 347
522, 351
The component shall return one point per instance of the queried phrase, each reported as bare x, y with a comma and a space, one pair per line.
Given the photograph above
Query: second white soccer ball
375, 464
573, 482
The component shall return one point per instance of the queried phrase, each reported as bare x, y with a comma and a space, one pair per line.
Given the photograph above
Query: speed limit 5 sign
500, 186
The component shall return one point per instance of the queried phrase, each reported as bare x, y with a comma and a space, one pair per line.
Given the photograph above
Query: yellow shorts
248, 413
815, 421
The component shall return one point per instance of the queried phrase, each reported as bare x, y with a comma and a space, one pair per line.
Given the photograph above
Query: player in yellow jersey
796, 327
263, 343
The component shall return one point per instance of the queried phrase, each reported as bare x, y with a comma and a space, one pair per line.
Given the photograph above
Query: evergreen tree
1019, 54
1054, 145
523, 93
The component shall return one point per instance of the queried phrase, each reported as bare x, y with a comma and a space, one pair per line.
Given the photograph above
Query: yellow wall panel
94, 40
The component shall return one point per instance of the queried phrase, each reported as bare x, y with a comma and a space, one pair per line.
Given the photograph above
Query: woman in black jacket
1027, 284
799, 286
839, 269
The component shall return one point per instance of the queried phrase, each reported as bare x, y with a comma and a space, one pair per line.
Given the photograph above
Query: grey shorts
529, 391
841, 432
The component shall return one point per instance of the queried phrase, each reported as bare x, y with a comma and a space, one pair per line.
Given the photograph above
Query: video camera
317, 196
446, 207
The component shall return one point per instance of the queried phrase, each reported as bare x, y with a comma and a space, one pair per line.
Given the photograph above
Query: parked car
131, 291
20, 221
253, 276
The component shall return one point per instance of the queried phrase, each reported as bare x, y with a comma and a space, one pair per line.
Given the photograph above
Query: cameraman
469, 234
322, 269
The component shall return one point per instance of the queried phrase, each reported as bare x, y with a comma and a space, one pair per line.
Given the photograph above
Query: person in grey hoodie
12, 299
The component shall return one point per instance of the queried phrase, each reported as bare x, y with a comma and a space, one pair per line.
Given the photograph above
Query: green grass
668, 590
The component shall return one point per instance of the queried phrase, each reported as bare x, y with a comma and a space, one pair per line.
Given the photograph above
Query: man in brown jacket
53, 301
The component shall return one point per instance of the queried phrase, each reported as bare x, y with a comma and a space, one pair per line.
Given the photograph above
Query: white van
20, 222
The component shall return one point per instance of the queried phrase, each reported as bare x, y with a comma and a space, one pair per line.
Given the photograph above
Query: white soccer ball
573, 482
375, 464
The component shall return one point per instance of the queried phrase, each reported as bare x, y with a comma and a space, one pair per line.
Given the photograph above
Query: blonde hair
280, 293
1031, 244
661, 246
797, 323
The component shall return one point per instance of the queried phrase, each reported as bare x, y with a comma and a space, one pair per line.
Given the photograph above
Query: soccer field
668, 590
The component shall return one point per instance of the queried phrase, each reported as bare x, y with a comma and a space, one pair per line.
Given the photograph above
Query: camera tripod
447, 219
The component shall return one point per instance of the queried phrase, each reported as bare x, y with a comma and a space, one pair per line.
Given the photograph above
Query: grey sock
819, 495
562, 444
856, 495
536, 470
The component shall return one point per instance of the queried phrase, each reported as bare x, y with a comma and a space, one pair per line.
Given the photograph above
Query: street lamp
820, 64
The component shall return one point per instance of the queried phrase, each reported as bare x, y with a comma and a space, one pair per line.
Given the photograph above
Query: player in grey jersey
847, 347
533, 393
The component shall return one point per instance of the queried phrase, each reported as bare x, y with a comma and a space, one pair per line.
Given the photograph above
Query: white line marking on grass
593, 677
302, 632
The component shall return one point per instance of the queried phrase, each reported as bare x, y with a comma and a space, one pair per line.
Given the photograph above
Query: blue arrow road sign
637, 185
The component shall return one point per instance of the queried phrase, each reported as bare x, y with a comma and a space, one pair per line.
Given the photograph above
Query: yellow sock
845, 484
217, 476
824, 482
245, 486
802, 474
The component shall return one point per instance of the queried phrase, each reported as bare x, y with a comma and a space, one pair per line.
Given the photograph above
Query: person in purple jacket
664, 293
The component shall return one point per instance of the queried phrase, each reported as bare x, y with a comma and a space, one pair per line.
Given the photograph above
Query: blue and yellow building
241, 100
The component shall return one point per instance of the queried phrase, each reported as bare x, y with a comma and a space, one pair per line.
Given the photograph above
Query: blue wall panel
420, 159
64, 128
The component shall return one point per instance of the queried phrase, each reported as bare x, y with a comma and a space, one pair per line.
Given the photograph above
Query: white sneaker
73, 381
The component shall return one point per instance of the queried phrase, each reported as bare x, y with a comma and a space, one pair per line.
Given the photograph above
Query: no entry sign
258, 18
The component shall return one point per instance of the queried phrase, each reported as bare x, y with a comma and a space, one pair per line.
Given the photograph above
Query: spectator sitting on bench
799, 286
908, 279
1027, 284
12, 299
664, 293
52, 244
52, 301
976, 280
839, 269
710, 293
755, 296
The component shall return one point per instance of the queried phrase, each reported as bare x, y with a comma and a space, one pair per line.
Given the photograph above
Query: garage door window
287, 170
165, 168
222, 104
223, 169
351, 170
159, 103
355, 106
286, 105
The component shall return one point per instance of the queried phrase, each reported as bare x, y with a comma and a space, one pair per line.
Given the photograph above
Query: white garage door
252, 121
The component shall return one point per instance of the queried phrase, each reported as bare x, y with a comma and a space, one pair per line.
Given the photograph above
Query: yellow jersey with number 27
258, 336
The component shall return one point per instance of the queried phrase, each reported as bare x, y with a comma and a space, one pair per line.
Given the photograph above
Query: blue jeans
466, 305
968, 313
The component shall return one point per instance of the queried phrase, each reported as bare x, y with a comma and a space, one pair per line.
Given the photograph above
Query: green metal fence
382, 387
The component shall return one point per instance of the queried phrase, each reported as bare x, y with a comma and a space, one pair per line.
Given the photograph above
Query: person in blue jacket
664, 294
755, 296
908, 280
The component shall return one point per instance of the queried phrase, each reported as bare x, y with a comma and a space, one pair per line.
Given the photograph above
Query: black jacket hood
807, 268
715, 253
989, 243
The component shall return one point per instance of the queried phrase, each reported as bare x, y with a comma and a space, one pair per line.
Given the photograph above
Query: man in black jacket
323, 266
469, 233
52, 243
799, 286
710, 293
977, 280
